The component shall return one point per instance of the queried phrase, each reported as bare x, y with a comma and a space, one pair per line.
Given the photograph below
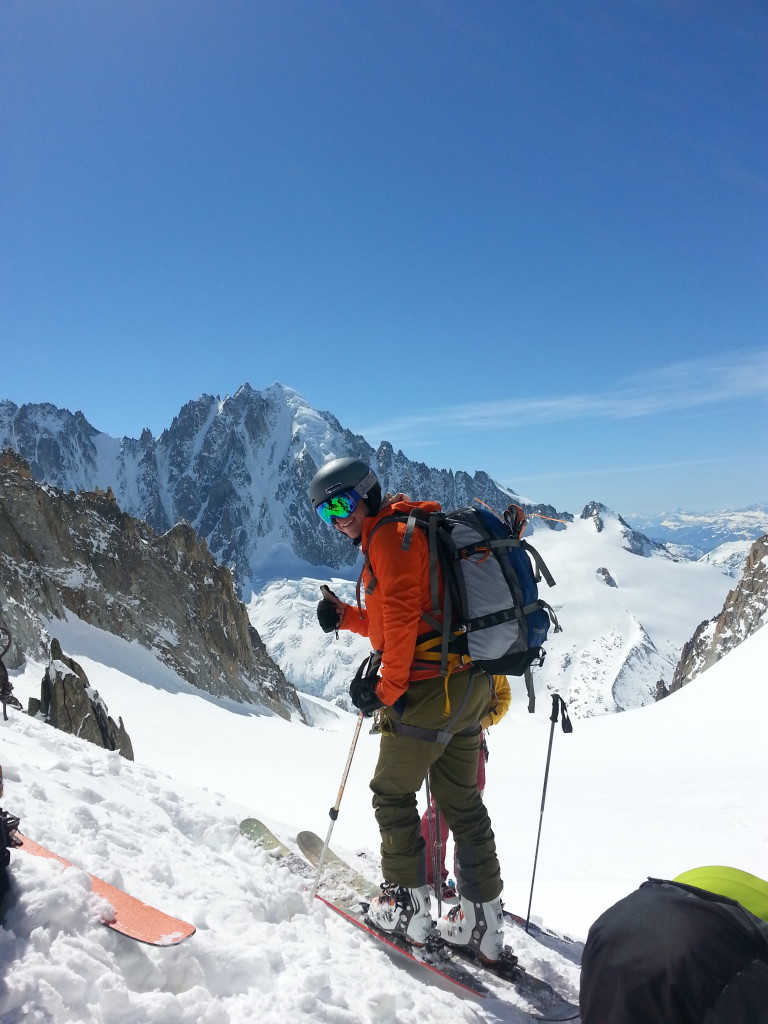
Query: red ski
458, 978
128, 915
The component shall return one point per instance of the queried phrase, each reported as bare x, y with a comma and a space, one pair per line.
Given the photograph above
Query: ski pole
334, 811
436, 843
558, 705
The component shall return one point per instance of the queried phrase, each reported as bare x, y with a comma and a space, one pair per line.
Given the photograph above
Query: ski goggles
340, 506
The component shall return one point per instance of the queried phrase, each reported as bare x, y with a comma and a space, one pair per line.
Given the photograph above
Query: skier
429, 722
500, 701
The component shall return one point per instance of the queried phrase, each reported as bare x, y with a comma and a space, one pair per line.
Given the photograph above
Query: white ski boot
403, 912
476, 926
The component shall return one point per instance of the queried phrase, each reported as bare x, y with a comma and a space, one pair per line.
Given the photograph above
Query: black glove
362, 689
328, 613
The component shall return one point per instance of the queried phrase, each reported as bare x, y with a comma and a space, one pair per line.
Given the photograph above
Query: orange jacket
391, 618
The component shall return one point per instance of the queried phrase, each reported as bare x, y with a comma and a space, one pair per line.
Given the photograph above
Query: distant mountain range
701, 532
237, 471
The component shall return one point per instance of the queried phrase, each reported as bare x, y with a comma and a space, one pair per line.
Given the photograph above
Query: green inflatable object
748, 890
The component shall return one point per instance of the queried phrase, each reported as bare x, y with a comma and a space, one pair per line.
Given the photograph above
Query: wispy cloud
611, 471
677, 387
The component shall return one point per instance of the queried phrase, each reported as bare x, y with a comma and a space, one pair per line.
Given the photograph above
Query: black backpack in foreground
674, 954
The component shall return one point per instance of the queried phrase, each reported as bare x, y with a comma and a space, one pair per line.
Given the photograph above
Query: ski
126, 914
567, 947
258, 833
457, 967
447, 972
348, 888
537, 930
547, 1003
338, 871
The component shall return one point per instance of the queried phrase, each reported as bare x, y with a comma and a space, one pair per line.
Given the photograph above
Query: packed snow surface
652, 791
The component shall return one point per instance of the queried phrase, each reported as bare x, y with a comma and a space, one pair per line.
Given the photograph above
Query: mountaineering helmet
345, 475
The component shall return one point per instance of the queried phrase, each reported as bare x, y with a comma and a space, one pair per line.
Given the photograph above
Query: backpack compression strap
528, 676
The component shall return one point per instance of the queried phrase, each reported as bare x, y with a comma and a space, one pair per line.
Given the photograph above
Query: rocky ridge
64, 554
235, 473
237, 470
744, 611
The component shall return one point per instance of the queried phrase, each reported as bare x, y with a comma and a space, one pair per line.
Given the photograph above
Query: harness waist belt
432, 735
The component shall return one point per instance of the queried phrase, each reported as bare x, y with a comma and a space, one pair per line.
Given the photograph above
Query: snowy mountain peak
634, 541
238, 469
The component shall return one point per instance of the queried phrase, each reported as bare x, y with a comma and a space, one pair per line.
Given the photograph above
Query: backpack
491, 611
675, 953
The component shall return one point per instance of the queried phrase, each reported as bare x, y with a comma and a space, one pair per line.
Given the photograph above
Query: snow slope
653, 791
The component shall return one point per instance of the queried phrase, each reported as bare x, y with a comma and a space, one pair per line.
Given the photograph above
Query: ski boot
402, 912
476, 927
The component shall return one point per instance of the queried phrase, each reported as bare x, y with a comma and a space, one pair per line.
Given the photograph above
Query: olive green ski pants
404, 759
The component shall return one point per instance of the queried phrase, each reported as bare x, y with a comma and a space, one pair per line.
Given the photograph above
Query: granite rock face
68, 702
64, 554
744, 611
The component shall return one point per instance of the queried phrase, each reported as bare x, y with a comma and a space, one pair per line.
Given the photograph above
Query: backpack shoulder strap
430, 521
395, 517
440, 619
541, 565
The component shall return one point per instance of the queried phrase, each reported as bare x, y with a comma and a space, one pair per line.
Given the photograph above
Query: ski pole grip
558, 705
555, 707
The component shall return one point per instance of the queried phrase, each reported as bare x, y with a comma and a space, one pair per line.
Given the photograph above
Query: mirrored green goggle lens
340, 506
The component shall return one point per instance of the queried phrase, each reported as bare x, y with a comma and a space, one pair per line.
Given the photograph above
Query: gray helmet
342, 475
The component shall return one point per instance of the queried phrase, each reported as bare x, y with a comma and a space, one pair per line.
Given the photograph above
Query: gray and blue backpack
491, 611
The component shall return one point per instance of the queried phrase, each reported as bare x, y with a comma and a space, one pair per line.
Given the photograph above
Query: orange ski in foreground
129, 916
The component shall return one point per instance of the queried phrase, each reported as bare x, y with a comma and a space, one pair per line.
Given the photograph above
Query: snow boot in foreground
403, 912
478, 927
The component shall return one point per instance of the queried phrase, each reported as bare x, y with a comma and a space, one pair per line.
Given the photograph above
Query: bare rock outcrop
744, 611
78, 553
68, 702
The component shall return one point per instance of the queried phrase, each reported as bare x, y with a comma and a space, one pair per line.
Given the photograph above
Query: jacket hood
394, 504
402, 503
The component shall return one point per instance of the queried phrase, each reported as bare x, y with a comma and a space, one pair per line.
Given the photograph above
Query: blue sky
530, 238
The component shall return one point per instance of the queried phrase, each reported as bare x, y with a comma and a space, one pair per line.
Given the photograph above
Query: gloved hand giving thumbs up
329, 610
